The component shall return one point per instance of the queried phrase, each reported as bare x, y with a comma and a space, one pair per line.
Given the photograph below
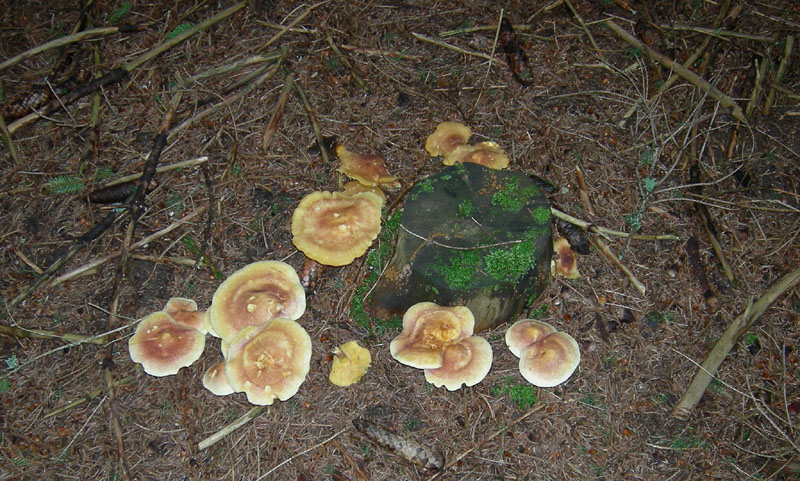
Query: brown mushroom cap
369, 170
446, 137
354, 187
185, 312
464, 363
216, 381
550, 361
162, 346
567, 264
488, 154
350, 363
269, 361
254, 295
525, 332
334, 228
427, 329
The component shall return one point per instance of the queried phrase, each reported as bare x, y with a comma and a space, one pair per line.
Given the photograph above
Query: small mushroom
185, 312
162, 346
488, 154
254, 295
427, 329
550, 361
216, 381
269, 361
567, 264
369, 170
354, 187
446, 137
525, 332
464, 363
350, 363
333, 228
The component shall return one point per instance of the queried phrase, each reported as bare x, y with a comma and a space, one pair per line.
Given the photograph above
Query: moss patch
459, 272
511, 198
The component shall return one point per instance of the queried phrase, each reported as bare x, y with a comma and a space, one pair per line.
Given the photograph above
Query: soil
382, 90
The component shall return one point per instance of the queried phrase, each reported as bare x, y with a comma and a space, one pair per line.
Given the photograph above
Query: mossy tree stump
469, 236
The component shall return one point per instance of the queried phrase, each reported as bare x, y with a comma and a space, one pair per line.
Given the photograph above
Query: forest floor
656, 152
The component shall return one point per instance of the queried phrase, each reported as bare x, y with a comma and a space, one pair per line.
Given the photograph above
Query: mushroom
550, 361
488, 154
354, 187
185, 312
446, 137
333, 228
427, 329
254, 295
269, 361
567, 264
464, 363
162, 346
525, 332
369, 170
350, 363
216, 381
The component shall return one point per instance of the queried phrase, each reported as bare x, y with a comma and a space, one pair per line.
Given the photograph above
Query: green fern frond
64, 184
120, 12
179, 29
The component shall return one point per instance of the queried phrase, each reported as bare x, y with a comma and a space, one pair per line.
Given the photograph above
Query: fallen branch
785, 61
312, 117
735, 330
87, 397
584, 27
605, 232
446, 45
346, 62
18, 333
217, 436
272, 125
606, 251
679, 69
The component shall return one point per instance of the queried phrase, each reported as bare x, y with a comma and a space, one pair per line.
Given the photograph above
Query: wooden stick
346, 62
114, 254
609, 232
17, 332
584, 27
272, 125
735, 330
446, 45
87, 397
288, 27
785, 61
66, 40
606, 251
756, 92
160, 169
241, 421
714, 32
312, 117
684, 72
8, 142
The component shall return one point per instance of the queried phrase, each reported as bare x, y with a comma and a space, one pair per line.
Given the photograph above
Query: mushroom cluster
547, 357
266, 353
449, 140
440, 340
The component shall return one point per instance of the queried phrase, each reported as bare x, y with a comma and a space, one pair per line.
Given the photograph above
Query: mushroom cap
334, 228
446, 137
488, 154
162, 346
354, 187
550, 361
427, 329
567, 264
185, 312
269, 361
369, 170
350, 363
464, 363
525, 332
216, 381
254, 295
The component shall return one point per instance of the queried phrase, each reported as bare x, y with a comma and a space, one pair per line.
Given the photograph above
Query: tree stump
469, 236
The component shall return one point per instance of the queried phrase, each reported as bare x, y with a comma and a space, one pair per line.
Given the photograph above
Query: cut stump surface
469, 236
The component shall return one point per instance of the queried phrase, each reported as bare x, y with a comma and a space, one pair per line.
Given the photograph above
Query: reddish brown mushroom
333, 228
446, 137
269, 361
254, 295
427, 329
488, 154
185, 312
525, 332
566, 264
162, 346
216, 381
369, 170
464, 363
550, 361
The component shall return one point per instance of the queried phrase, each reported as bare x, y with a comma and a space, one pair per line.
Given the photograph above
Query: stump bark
469, 236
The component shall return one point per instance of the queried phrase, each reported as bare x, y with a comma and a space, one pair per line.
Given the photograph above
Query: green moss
466, 209
460, 270
541, 215
511, 198
521, 394
511, 263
